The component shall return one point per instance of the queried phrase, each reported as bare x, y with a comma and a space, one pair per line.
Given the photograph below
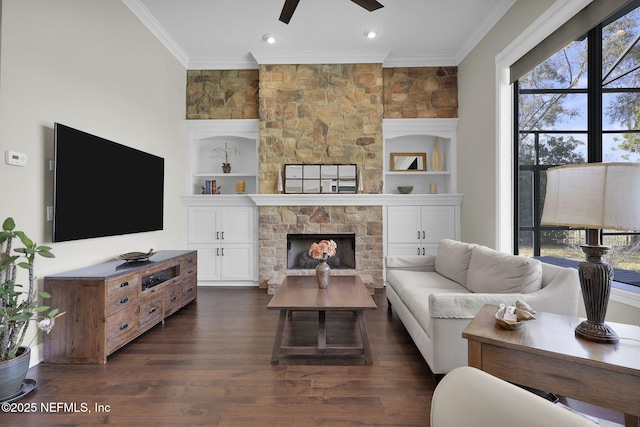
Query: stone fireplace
276, 223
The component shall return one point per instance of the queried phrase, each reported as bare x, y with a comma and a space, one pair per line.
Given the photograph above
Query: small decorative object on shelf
405, 189
240, 186
322, 251
436, 156
219, 151
514, 316
136, 256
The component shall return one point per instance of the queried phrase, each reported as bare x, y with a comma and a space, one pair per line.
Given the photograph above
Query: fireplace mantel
353, 199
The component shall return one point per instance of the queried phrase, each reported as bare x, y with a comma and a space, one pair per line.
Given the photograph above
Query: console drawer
120, 300
123, 283
150, 311
121, 327
189, 290
172, 299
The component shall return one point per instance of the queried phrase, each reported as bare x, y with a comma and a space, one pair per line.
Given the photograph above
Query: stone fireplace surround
280, 215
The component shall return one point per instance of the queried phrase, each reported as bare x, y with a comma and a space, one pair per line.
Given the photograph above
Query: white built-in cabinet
416, 230
225, 240
415, 223
223, 227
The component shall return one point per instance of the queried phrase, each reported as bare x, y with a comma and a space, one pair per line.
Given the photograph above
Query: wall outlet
49, 213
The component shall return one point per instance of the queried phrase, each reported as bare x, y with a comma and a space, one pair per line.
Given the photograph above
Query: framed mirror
310, 179
408, 162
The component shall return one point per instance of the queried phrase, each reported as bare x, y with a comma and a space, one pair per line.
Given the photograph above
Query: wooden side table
546, 355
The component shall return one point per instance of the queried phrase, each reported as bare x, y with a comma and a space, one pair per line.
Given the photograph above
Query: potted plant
219, 152
19, 306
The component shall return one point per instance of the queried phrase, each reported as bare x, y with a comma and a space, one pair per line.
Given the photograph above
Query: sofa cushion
491, 271
452, 260
417, 301
400, 280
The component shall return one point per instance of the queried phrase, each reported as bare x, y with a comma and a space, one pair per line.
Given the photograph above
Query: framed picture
408, 162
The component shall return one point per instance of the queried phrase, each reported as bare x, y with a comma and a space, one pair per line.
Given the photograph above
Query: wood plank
209, 365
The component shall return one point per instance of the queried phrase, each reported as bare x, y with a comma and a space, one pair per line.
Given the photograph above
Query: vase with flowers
322, 251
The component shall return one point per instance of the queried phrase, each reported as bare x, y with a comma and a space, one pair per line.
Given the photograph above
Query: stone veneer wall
222, 94
420, 92
277, 221
320, 114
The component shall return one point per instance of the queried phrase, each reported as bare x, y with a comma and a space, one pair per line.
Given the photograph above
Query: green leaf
41, 308
8, 224
20, 317
53, 312
46, 254
45, 294
24, 239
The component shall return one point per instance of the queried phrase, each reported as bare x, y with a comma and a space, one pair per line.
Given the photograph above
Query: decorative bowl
506, 324
405, 189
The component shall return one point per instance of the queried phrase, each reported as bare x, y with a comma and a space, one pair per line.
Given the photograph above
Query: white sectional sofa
436, 297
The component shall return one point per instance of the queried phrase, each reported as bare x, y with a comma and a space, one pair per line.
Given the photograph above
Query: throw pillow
452, 260
491, 271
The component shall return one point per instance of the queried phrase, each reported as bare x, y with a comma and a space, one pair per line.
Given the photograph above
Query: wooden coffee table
301, 293
545, 354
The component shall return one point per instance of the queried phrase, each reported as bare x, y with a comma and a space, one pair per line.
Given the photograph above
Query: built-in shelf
420, 136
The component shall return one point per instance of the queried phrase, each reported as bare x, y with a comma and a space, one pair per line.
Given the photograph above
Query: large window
580, 105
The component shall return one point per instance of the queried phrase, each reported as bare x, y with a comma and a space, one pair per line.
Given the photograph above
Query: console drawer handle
124, 326
190, 289
124, 300
123, 284
153, 310
173, 298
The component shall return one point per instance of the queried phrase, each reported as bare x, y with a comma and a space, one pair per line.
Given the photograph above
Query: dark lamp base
596, 332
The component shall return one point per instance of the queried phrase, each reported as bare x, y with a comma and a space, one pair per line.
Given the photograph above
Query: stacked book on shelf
210, 187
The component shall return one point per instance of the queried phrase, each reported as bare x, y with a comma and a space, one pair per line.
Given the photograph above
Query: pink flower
323, 250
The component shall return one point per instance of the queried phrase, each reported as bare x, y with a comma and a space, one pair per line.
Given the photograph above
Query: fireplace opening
298, 245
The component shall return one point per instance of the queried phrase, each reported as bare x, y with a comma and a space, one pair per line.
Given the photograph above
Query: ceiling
228, 34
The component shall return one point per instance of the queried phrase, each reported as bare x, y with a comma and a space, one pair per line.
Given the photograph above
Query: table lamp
594, 196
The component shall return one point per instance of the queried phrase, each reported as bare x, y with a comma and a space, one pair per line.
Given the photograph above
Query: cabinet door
403, 224
438, 222
208, 263
237, 262
237, 225
203, 225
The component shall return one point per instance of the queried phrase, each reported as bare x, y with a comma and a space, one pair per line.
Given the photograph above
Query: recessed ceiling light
269, 38
370, 33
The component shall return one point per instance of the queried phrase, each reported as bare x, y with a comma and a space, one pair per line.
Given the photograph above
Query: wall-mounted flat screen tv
102, 188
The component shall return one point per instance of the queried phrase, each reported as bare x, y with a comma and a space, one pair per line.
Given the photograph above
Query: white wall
477, 155
89, 64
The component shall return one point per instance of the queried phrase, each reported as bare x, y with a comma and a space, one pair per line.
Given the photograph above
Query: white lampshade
593, 195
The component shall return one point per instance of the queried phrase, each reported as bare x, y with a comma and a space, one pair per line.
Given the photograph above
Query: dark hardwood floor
209, 365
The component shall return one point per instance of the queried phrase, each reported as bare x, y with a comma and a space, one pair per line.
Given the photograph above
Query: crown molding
393, 61
307, 57
487, 24
238, 63
152, 24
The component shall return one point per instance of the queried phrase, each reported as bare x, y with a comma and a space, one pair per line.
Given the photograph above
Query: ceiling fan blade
288, 9
370, 5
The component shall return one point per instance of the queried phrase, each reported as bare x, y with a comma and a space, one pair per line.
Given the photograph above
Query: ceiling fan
290, 7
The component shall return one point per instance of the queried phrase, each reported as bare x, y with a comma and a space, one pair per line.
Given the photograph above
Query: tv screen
102, 188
